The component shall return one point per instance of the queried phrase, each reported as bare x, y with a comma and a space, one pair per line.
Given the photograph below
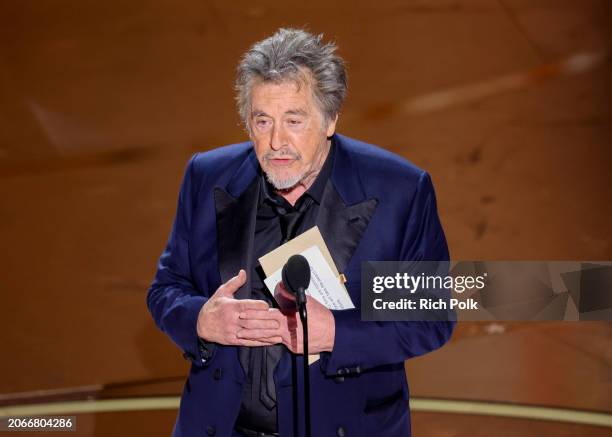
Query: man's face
289, 132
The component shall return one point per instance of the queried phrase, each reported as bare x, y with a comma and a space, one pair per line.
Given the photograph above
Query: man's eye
261, 123
294, 122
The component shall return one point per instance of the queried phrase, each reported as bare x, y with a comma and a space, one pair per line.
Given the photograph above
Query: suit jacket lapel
236, 211
342, 226
345, 211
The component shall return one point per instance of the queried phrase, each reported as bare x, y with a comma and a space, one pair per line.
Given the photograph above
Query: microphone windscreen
296, 273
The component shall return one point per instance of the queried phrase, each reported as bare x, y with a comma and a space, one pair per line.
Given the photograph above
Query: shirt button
210, 430
340, 432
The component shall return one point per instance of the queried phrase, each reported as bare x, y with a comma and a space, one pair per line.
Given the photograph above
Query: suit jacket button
340, 432
210, 430
218, 374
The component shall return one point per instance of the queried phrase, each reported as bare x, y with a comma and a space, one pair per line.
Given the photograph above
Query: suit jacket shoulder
221, 162
382, 172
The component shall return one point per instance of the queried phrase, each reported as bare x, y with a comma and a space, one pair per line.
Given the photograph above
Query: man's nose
277, 138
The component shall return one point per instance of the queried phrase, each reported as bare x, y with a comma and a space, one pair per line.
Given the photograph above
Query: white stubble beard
290, 182
284, 184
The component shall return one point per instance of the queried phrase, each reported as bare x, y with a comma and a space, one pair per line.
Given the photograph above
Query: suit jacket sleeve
172, 299
361, 345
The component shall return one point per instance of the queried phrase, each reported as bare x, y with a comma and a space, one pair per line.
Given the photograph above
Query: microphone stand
301, 302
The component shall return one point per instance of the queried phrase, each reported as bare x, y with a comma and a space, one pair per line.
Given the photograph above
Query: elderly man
239, 202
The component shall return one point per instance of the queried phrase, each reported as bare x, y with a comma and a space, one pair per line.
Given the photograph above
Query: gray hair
293, 54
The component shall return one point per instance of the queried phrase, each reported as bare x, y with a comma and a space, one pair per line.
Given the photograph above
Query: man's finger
231, 286
258, 324
256, 334
261, 314
260, 342
252, 304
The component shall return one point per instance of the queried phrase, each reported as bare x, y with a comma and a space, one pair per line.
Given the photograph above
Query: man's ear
331, 126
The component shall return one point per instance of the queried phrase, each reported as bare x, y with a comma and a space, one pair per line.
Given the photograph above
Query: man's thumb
230, 287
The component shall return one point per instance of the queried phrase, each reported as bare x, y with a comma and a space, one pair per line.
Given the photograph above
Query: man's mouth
281, 161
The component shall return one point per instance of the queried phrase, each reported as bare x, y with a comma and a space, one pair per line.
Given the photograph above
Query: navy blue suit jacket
378, 207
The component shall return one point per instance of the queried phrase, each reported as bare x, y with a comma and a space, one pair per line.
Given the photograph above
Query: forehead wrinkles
292, 93
279, 101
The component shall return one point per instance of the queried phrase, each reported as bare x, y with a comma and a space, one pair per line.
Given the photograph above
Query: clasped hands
248, 322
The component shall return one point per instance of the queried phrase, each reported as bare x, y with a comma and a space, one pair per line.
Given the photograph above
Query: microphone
296, 278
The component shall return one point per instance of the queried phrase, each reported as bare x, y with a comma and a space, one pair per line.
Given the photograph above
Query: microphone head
296, 273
